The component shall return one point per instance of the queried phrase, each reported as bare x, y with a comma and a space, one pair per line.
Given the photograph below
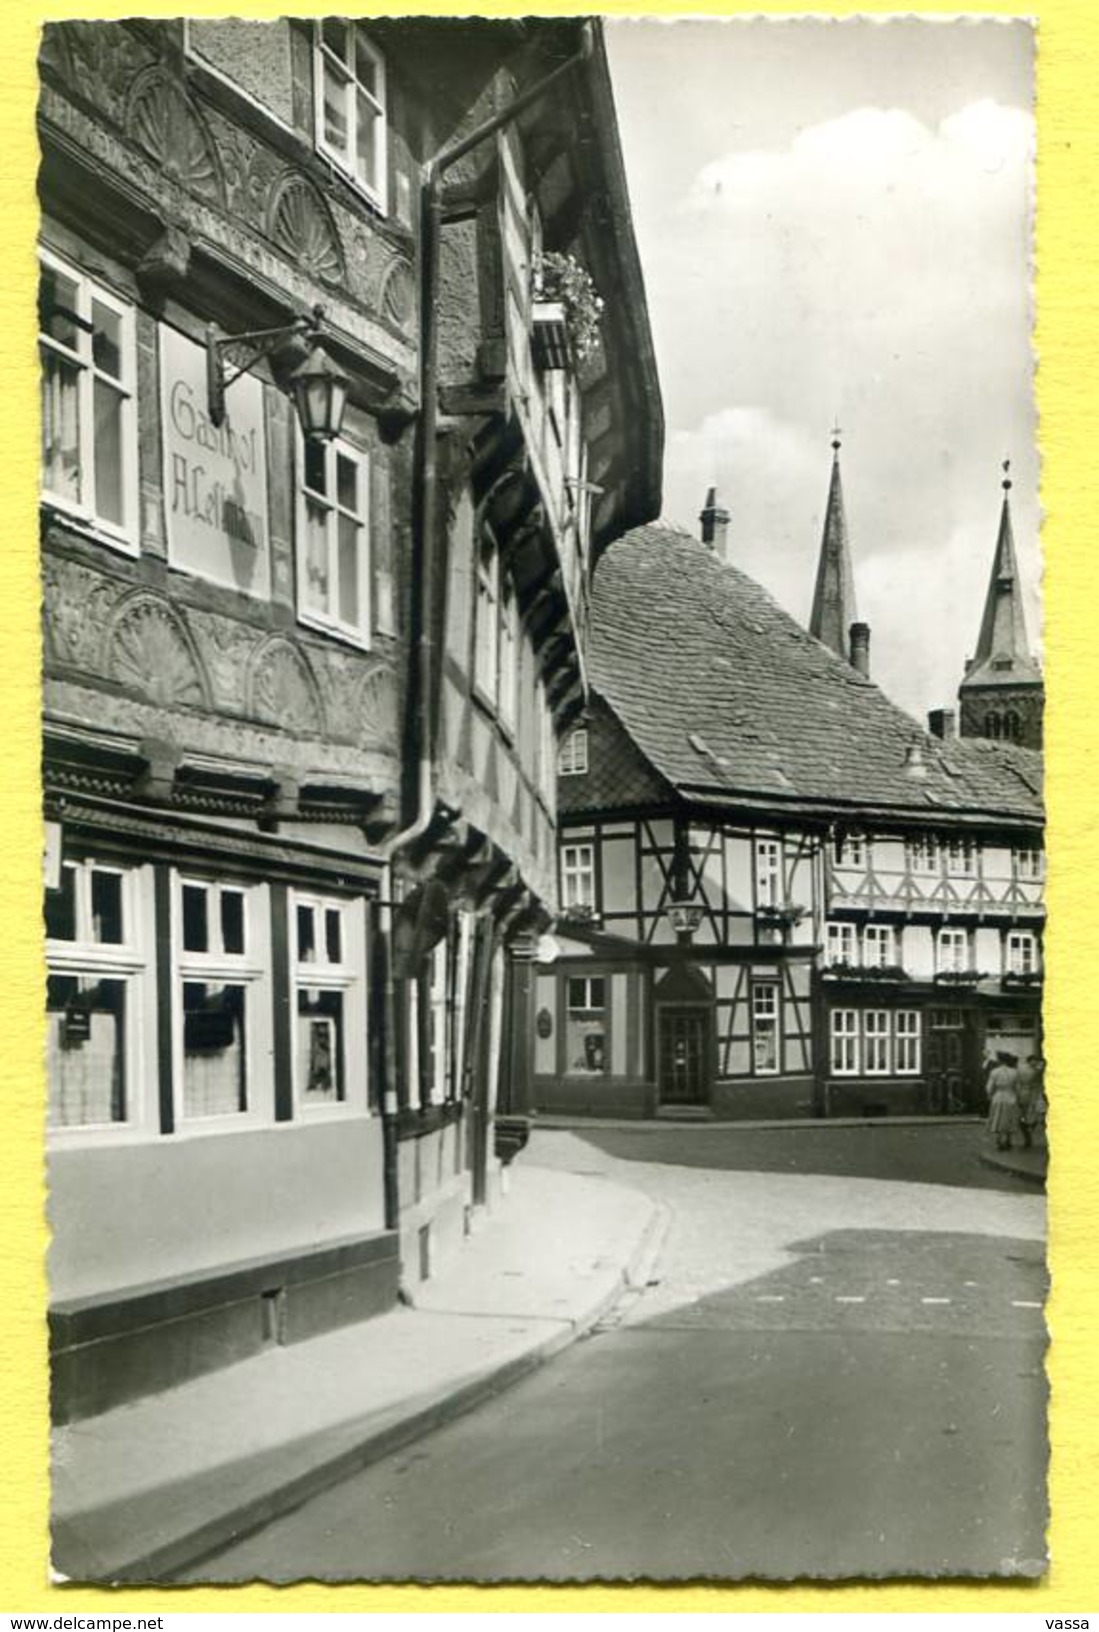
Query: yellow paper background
1067, 337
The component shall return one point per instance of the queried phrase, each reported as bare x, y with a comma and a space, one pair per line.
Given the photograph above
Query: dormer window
350, 99
573, 758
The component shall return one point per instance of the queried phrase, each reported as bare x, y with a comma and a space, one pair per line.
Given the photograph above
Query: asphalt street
830, 1374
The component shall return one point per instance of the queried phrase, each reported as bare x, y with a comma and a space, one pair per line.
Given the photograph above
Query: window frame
841, 931
953, 936
766, 1011
332, 451
963, 857
844, 1042
580, 867
1028, 864
877, 1043
124, 537
907, 1043
884, 938
572, 756
1017, 941
376, 191
250, 969
344, 976
590, 1011
923, 855
130, 961
767, 871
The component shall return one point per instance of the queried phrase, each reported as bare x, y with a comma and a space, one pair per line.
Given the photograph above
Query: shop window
1021, 952
768, 858
334, 538
951, 951
907, 1057
89, 430
876, 1030
573, 758
350, 96
878, 946
765, 1018
326, 986
96, 967
578, 877
218, 974
586, 1051
844, 1028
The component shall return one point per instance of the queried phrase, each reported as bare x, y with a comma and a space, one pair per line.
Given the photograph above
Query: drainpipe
425, 507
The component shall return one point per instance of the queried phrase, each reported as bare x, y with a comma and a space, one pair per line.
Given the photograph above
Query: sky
834, 223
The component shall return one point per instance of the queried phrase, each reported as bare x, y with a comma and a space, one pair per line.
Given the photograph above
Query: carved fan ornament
162, 121
148, 652
301, 225
398, 291
284, 692
378, 710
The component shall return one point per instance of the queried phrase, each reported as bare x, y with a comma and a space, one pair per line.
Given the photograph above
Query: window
765, 1028
325, 975
878, 947
89, 436
1021, 952
349, 88
876, 1042
962, 857
1029, 864
508, 685
840, 943
907, 1058
334, 538
952, 951
546, 744
923, 854
578, 876
845, 1042
849, 850
586, 1026
217, 975
768, 873
573, 758
486, 642
95, 967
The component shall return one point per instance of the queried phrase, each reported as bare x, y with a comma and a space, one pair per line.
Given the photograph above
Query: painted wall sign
215, 478
544, 1023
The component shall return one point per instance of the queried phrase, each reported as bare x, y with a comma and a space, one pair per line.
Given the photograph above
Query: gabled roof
1003, 655
834, 609
734, 703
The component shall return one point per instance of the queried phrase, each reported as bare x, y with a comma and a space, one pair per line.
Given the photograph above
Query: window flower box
565, 313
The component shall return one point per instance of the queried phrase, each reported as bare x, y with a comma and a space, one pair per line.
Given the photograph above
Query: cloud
875, 267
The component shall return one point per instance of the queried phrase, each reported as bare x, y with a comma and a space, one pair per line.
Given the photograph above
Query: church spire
834, 611
1001, 695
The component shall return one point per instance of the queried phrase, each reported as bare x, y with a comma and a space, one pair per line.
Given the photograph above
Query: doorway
684, 1054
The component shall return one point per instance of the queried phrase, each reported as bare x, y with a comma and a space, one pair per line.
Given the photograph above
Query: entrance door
684, 1055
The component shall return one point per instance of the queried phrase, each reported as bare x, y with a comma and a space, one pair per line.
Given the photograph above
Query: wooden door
684, 1053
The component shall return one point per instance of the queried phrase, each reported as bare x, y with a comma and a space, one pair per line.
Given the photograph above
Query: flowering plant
562, 278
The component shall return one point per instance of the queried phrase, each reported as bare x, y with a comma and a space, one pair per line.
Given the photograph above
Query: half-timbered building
303, 694
780, 896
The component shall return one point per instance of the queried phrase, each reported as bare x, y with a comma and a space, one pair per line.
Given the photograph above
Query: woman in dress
1002, 1086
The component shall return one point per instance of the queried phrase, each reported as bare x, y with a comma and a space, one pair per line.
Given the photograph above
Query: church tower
1002, 695
834, 618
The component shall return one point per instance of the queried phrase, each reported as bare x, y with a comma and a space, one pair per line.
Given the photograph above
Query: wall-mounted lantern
318, 385
684, 916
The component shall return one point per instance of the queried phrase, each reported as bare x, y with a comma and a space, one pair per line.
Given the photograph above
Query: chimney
943, 723
715, 524
860, 648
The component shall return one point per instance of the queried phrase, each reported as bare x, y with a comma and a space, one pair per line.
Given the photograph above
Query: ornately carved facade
289, 861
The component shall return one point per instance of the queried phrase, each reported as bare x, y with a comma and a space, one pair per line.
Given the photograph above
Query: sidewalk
144, 1490
1023, 1164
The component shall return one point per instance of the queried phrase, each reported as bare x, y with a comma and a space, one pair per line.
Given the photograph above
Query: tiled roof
733, 701
618, 774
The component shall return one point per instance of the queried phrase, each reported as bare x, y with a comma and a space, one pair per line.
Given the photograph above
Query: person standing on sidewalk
1002, 1086
1032, 1098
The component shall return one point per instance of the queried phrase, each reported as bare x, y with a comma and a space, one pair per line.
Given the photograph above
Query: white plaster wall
123, 1214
